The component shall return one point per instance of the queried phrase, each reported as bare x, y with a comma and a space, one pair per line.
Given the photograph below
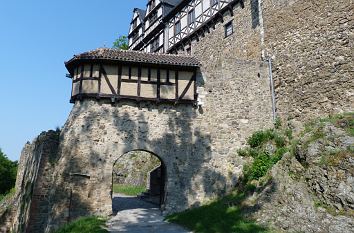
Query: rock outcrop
312, 191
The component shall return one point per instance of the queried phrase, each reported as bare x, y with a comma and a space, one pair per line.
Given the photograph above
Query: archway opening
138, 181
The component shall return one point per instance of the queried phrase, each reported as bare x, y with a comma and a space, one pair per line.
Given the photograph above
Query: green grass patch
85, 224
128, 189
7, 196
222, 216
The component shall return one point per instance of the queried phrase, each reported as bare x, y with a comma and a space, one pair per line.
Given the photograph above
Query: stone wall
30, 210
311, 44
197, 145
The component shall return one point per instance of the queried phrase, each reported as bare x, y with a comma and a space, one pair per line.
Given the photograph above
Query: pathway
137, 216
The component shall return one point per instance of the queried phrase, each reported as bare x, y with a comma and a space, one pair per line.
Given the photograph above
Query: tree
121, 43
8, 172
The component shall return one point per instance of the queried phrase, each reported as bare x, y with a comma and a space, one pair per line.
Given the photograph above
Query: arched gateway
127, 100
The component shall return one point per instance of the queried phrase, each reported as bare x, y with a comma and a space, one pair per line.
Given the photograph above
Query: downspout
261, 28
272, 89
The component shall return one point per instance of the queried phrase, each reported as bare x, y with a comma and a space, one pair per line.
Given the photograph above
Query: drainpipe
272, 88
261, 27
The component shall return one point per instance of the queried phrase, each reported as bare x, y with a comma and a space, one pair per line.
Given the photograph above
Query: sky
36, 37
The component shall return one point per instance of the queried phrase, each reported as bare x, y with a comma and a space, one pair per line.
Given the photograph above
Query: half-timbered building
147, 33
117, 75
170, 29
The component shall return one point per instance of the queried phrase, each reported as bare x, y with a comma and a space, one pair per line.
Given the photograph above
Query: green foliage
222, 216
277, 123
8, 195
260, 137
128, 189
8, 172
262, 164
84, 225
121, 43
264, 159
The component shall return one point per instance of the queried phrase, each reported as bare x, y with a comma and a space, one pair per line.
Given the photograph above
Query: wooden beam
91, 70
108, 82
119, 84
167, 76
147, 82
195, 86
149, 74
81, 76
83, 79
99, 81
134, 98
176, 81
158, 83
187, 88
139, 81
130, 72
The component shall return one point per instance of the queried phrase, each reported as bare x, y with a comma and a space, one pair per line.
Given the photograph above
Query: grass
335, 158
129, 190
4, 197
84, 225
222, 216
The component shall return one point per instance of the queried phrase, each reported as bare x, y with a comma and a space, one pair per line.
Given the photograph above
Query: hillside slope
292, 184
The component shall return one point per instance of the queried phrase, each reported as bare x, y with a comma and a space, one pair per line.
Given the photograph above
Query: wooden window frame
214, 2
191, 17
226, 27
178, 29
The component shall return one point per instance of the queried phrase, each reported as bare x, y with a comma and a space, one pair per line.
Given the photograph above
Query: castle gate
127, 100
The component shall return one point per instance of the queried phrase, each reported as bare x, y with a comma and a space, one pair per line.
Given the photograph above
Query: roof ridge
137, 56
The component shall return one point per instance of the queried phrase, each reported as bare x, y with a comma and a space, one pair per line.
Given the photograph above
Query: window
153, 18
155, 45
135, 36
191, 17
135, 23
229, 29
152, 4
177, 27
189, 51
213, 2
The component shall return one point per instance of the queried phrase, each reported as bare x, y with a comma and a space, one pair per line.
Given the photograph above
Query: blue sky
36, 37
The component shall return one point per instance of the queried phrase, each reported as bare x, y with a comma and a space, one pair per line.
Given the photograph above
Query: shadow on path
134, 215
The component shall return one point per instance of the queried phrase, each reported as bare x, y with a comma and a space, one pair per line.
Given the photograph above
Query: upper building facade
171, 24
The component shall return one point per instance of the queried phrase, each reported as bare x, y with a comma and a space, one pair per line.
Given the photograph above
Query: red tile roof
135, 57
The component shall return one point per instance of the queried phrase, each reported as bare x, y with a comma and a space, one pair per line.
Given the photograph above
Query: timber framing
206, 20
117, 79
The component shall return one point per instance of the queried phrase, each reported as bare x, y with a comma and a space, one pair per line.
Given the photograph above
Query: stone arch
164, 174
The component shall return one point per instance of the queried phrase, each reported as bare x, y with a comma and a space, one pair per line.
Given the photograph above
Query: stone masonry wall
311, 44
33, 184
197, 145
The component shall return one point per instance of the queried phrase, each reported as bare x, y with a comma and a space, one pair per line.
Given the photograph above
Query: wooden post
119, 85
139, 81
158, 84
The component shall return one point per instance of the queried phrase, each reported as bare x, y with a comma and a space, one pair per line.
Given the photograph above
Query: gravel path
137, 216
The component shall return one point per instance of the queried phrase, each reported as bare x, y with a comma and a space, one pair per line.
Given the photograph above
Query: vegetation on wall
8, 172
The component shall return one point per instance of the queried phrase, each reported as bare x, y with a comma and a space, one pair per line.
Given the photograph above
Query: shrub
260, 166
260, 137
8, 172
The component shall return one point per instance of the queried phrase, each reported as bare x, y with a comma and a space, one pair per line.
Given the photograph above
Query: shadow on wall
97, 133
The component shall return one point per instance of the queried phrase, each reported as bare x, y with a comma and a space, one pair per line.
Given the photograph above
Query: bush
260, 137
8, 172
